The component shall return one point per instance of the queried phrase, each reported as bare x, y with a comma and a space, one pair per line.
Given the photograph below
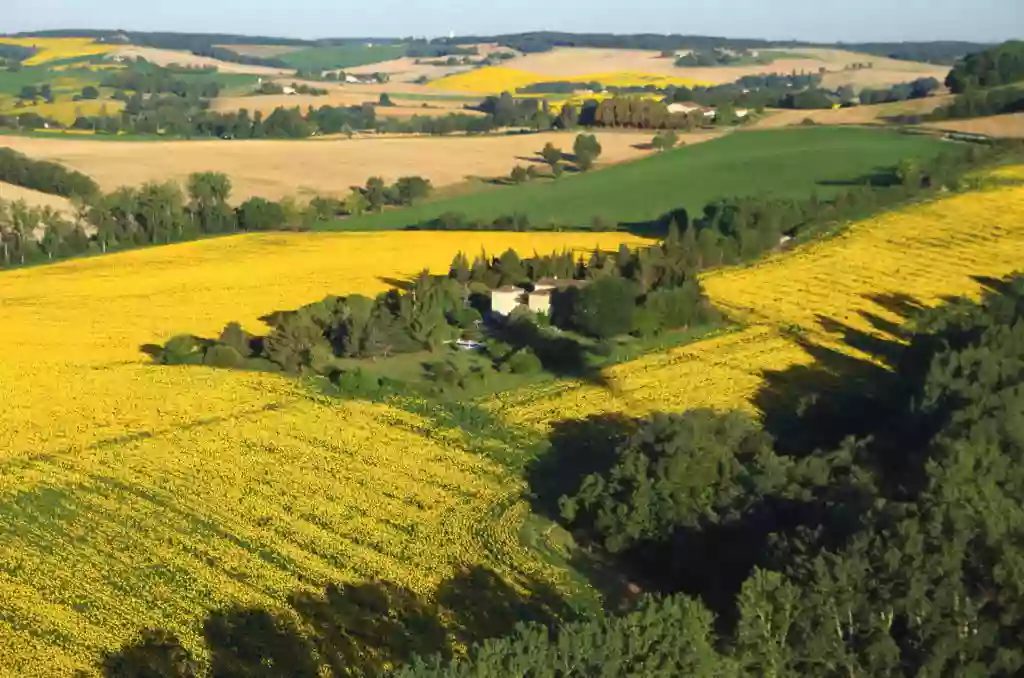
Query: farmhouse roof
508, 289
561, 282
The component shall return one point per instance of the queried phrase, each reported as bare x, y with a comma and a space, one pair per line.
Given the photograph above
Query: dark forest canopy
1002, 65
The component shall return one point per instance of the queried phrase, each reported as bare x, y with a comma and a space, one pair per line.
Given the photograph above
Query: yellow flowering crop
925, 252
66, 111
496, 79
137, 495
55, 49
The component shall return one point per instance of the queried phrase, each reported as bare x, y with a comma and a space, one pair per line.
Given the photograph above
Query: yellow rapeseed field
65, 110
135, 495
55, 49
496, 79
817, 293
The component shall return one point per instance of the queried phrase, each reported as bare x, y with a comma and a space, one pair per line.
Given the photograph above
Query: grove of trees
1001, 65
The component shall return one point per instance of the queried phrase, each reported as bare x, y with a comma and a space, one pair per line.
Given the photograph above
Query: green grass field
782, 163
345, 56
11, 83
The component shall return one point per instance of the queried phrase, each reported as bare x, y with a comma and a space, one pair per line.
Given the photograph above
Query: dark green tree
376, 193
605, 308
587, 150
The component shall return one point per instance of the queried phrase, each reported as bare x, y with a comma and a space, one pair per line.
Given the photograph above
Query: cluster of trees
145, 78
29, 234
312, 338
639, 113
975, 102
44, 176
642, 292
751, 91
372, 197
340, 76
1002, 65
721, 57
15, 54
29, 93
270, 87
917, 89
451, 123
434, 49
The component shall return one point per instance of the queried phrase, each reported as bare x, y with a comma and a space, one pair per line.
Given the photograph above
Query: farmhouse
507, 299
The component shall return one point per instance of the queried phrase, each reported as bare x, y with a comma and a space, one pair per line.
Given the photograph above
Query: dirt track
1010, 125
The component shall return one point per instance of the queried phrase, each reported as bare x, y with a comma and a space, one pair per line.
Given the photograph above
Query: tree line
978, 102
42, 175
161, 213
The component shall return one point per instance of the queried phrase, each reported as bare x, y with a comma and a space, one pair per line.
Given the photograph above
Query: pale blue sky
820, 20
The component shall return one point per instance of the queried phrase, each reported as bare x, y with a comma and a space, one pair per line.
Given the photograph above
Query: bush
325, 209
465, 318
220, 355
524, 362
605, 308
357, 383
646, 323
234, 336
260, 214
183, 349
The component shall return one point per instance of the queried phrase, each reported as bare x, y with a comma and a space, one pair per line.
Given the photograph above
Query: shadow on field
878, 177
362, 630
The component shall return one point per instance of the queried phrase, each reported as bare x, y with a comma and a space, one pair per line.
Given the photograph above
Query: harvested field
1010, 125
279, 168
10, 193
261, 51
854, 115
166, 57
